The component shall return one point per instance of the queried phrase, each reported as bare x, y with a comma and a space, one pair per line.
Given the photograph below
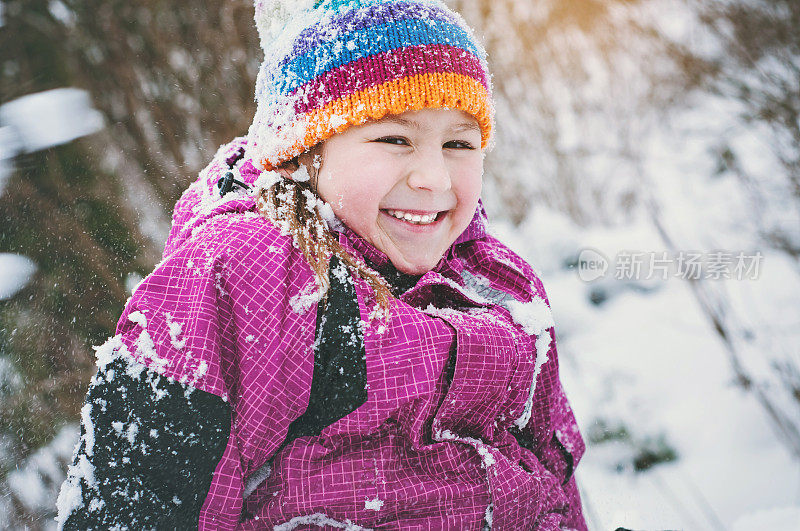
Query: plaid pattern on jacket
487, 440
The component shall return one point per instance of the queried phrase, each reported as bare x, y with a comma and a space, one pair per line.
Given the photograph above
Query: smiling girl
408, 184
333, 339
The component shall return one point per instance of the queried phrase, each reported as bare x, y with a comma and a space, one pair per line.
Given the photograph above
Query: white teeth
416, 219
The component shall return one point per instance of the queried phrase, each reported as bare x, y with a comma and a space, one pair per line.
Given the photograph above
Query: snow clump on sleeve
373, 505
86, 419
311, 294
145, 351
138, 318
536, 318
175, 330
319, 520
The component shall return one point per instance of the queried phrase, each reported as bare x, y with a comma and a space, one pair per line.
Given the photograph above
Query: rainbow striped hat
332, 64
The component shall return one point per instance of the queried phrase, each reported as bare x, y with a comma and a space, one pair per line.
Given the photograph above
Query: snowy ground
648, 359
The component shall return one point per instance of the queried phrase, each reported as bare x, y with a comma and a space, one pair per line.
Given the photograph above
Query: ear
288, 168
312, 158
285, 173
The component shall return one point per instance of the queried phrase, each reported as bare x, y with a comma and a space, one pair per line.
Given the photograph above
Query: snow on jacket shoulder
465, 423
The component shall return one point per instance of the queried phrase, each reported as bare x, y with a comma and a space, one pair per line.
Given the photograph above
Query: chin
415, 267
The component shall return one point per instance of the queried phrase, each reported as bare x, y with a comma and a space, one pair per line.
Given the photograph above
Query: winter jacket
463, 425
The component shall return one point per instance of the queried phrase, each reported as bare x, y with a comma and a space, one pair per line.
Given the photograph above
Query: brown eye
394, 140
458, 144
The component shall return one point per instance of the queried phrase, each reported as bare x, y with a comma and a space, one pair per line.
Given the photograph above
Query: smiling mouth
414, 218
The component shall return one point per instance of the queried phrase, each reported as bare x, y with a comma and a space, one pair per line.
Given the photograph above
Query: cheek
355, 184
352, 199
329, 189
357, 202
468, 185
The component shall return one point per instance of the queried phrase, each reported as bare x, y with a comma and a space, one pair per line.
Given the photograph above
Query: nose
430, 172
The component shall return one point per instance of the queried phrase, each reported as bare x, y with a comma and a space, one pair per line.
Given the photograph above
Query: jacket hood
202, 201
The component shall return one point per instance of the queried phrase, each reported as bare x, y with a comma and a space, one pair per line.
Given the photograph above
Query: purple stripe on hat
355, 19
378, 69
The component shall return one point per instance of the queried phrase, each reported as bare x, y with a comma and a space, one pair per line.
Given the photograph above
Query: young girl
333, 339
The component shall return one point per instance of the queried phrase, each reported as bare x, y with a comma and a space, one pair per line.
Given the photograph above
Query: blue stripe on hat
367, 13
371, 41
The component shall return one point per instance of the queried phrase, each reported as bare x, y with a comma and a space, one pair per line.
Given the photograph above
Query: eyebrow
467, 126
461, 126
401, 121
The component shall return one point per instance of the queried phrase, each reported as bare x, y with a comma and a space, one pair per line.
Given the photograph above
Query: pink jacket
231, 311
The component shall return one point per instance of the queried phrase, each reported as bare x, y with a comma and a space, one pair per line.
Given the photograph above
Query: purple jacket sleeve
492, 379
157, 421
545, 428
215, 320
553, 436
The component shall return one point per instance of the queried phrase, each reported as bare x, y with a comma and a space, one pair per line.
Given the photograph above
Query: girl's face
409, 183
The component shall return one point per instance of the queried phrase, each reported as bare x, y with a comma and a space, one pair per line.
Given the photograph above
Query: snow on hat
332, 64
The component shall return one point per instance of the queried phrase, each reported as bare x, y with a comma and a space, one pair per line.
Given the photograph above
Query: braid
295, 207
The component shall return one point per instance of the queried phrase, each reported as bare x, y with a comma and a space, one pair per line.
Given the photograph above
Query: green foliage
653, 451
602, 431
638, 452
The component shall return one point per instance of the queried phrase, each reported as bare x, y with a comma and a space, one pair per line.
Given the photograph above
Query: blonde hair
295, 207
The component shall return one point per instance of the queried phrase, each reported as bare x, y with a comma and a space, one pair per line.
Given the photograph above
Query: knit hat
332, 64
